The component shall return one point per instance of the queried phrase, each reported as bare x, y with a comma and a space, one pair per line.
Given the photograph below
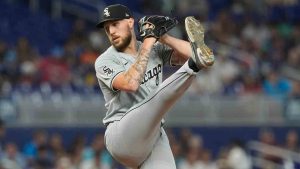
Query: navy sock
193, 65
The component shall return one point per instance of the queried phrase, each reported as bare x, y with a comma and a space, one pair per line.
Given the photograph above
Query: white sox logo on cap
106, 12
114, 12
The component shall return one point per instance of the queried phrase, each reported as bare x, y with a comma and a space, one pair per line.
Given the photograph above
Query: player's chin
119, 46
116, 45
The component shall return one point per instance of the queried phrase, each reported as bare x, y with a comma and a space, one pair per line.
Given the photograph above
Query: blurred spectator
295, 35
12, 158
55, 70
64, 162
199, 8
227, 71
256, 31
88, 56
222, 29
56, 146
251, 85
3, 52
91, 158
291, 68
76, 150
291, 144
267, 137
292, 103
24, 51
195, 143
207, 160
275, 47
26, 59
177, 152
43, 159
39, 139
184, 136
79, 32
71, 52
8, 65
207, 83
295, 93
237, 156
191, 160
276, 86
95, 163
2, 135
292, 141
149, 6
222, 162
87, 60
98, 41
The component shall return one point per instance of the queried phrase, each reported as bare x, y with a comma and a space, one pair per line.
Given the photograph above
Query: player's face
119, 33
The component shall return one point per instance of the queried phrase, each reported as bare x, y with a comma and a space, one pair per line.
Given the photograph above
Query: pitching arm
131, 79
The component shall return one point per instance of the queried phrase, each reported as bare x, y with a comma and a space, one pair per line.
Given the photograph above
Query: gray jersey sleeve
107, 70
165, 52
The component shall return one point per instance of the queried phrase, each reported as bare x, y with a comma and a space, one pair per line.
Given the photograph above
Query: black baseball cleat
202, 55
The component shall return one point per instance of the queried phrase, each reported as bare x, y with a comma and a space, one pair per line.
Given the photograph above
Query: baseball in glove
155, 26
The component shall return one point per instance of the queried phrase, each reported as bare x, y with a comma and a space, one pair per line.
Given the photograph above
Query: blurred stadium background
243, 113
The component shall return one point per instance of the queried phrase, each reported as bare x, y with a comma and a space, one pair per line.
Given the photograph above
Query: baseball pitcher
130, 77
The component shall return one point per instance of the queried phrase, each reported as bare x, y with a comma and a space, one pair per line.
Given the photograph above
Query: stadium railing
286, 158
73, 109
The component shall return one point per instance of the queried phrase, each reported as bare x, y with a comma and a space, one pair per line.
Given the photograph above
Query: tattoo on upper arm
139, 67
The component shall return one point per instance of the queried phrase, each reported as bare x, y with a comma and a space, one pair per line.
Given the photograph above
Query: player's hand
155, 26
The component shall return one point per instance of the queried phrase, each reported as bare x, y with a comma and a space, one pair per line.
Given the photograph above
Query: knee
129, 159
126, 154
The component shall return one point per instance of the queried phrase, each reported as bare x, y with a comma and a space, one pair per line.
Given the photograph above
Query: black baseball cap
114, 12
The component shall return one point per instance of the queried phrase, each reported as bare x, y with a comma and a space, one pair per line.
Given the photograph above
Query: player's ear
131, 22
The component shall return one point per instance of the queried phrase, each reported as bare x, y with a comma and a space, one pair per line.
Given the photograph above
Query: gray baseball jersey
109, 64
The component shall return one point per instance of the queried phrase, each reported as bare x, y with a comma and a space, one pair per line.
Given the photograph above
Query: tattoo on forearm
139, 66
